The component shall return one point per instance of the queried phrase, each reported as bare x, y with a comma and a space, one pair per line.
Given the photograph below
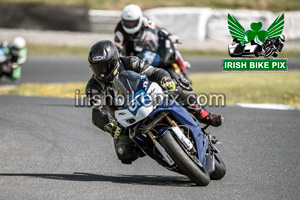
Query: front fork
208, 164
212, 140
178, 132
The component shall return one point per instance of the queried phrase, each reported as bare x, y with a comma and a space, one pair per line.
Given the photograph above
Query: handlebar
170, 91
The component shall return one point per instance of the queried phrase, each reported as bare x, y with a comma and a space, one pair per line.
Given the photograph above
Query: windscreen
149, 40
126, 83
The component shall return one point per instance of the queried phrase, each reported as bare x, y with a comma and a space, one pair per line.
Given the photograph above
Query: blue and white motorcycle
166, 131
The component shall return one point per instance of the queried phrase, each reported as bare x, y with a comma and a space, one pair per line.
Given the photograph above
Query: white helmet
16, 44
132, 18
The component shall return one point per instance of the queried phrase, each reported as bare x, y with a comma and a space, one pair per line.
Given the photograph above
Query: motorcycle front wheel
220, 169
196, 173
175, 75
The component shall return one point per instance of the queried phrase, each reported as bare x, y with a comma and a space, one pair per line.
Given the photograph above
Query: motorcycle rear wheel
196, 173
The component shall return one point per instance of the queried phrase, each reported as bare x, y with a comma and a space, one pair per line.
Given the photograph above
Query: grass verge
251, 87
64, 50
247, 87
61, 90
224, 54
56, 50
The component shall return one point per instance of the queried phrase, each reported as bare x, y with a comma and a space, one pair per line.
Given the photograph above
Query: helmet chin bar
106, 78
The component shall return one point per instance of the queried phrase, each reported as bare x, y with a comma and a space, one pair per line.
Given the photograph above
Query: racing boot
125, 148
16, 74
203, 116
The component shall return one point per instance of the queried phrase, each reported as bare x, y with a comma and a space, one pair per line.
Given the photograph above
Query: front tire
185, 163
173, 73
257, 51
220, 169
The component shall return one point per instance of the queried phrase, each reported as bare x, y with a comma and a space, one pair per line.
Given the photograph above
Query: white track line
267, 106
7, 87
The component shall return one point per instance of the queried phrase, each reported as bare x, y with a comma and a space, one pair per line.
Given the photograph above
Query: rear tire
220, 169
185, 163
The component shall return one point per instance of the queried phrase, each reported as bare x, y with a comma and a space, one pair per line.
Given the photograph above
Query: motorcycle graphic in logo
263, 43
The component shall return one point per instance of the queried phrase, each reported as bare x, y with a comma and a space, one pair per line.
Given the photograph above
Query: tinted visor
104, 70
130, 24
15, 50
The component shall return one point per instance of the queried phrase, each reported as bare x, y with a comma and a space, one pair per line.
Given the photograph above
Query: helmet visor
15, 50
100, 68
105, 70
130, 23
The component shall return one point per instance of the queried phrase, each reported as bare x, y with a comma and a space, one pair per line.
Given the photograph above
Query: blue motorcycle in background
164, 130
5, 65
154, 47
2, 59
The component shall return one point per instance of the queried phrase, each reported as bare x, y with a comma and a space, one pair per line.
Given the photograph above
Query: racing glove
114, 130
167, 83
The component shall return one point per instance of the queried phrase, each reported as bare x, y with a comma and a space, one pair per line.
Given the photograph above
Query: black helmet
103, 58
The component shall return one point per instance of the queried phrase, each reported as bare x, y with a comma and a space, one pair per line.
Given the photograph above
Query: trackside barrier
197, 27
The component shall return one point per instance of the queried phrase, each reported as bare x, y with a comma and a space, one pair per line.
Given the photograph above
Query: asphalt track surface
49, 149
61, 69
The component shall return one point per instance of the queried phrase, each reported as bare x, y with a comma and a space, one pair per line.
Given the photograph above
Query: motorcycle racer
131, 24
16, 55
130, 30
106, 63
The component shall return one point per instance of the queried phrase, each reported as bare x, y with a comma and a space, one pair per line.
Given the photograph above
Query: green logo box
270, 65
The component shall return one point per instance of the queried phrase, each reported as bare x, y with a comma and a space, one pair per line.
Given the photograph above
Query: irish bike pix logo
256, 49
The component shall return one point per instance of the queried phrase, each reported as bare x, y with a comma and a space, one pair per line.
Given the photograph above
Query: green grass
64, 50
56, 50
251, 87
243, 87
216, 53
272, 5
61, 90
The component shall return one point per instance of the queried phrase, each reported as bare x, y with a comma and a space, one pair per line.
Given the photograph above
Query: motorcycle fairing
151, 58
155, 48
140, 105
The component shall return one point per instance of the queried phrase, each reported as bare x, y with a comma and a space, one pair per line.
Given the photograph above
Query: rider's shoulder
126, 60
130, 61
130, 58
